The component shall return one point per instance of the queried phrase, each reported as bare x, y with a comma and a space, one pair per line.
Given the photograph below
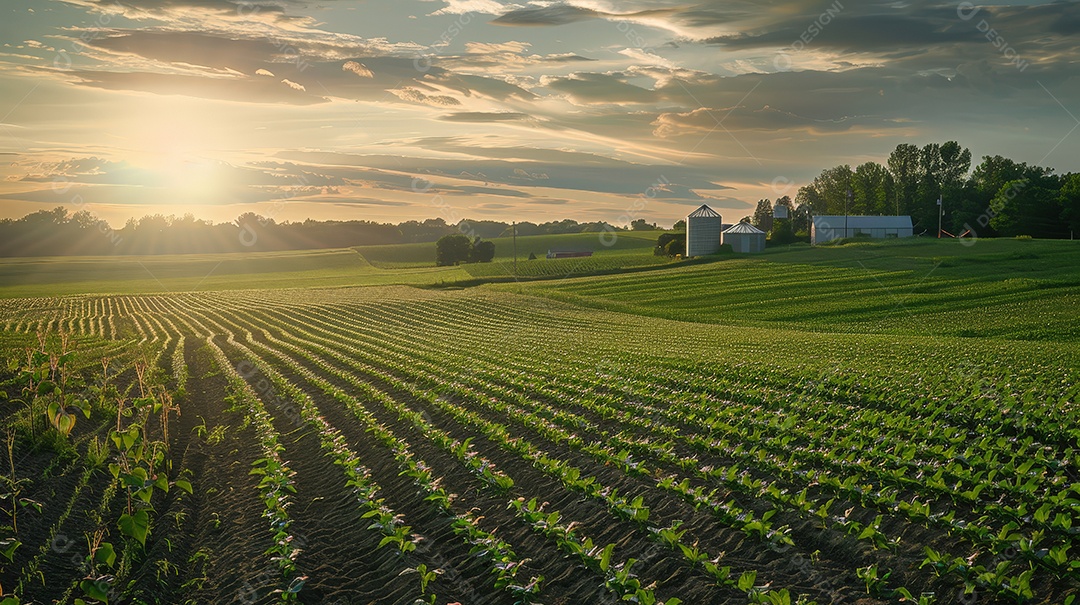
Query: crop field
395, 256
539, 444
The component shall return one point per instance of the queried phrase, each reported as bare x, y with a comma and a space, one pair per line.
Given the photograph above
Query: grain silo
703, 227
745, 238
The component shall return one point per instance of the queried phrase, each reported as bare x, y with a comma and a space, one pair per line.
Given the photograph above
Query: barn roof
863, 222
744, 228
704, 212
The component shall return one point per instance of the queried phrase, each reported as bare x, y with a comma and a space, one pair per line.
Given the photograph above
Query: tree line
57, 233
999, 197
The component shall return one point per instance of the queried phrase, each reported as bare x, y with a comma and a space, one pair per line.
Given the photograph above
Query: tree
904, 167
1069, 199
782, 233
1029, 207
671, 244
871, 188
482, 251
763, 215
828, 193
641, 225
679, 226
452, 249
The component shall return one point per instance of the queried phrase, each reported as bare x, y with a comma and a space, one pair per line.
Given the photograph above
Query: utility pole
847, 210
513, 229
941, 212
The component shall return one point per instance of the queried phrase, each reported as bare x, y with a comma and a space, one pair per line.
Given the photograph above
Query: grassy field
996, 288
414, 255
873, 423
405, 264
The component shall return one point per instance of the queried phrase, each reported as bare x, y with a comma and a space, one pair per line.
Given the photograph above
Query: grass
417, 255
60, 276
1003, 289
996, 288
402, 264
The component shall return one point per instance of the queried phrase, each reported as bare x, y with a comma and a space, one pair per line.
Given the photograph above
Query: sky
512, 110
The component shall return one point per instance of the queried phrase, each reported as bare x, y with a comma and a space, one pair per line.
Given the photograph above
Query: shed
745, 238
829, 227
703, 228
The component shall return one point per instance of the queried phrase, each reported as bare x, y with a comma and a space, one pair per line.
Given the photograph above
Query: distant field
414, 255
56, 276
402, 264
996, 288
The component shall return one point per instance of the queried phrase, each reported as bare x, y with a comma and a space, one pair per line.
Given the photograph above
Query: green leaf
183, 484
746, 581
8, 547
135, 526
96, 589
105, 555
45, 387
605, 557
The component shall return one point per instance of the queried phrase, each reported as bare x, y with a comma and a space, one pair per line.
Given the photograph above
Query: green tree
671, 244
679, 226
1069, 200
1029, 207
763, 215
904, 166
800, 220
452, 249
782, 233
871, 187
828, 193
483, 251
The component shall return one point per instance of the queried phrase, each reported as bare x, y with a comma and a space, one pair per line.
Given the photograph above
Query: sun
176, 141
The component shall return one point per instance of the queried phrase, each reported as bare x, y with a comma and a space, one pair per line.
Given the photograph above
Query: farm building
745, 238
828, 228
568, 253
703, 228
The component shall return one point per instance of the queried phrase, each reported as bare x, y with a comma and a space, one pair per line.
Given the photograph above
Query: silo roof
744, 228
704, 212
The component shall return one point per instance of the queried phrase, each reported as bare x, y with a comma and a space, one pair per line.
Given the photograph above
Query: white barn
703, 228
745, 238
830, 227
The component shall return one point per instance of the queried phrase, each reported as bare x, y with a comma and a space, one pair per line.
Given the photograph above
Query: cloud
563, 14
483, 48
563, 170
358, 69
483, 116
264, 72
293, 85
464, 7
415, 96
703, 120
590, 88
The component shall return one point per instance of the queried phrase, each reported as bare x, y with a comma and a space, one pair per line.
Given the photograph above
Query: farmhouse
568, 253
745, 238
828, 228
703, 228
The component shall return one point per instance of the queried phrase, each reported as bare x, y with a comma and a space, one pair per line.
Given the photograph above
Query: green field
414, 255
870, 423
998, 288
407, 264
